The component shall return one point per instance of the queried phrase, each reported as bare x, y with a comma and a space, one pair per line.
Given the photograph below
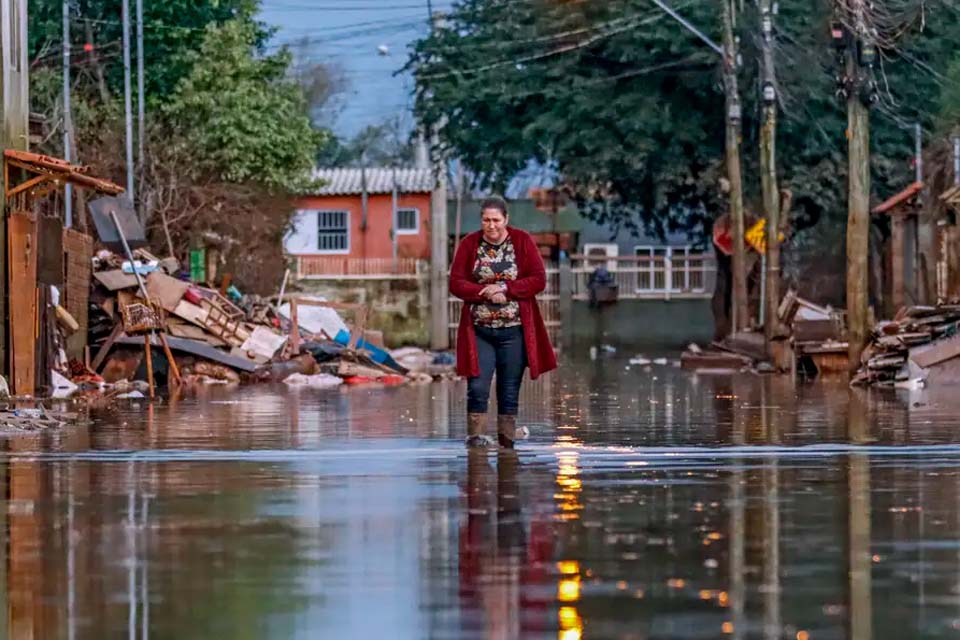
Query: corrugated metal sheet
349, 181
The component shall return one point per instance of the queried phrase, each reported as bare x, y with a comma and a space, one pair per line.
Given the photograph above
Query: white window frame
676, 254
346, 217
416, 219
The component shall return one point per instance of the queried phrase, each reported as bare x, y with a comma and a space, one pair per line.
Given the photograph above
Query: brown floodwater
647, 503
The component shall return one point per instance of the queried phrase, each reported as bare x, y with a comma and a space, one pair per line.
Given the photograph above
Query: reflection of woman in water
498, 272
497, 559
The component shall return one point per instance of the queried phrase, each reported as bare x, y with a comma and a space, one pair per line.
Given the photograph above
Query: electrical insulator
769, 93
767, 25
734, 112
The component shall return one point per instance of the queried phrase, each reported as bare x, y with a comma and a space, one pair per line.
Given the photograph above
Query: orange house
349, 227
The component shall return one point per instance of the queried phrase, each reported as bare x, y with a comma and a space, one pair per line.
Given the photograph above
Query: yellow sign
756, 236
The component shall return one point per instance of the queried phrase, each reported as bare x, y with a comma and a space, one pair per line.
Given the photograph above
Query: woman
498, 272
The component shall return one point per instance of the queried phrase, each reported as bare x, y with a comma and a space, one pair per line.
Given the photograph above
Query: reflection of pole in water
771, 551
144, 596
132, 551
860, 610
71, 559
737, 545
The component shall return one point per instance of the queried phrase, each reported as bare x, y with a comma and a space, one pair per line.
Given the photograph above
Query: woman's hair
495, 202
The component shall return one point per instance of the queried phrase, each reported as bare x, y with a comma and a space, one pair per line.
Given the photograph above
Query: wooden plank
936, 352
22, 235
50, 252
192, 332
106, 346
115, 279
166, 290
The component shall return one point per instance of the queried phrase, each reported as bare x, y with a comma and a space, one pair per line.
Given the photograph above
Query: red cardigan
531, 280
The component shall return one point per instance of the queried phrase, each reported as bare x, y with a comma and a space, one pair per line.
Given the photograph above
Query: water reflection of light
571, 626
569, 499
568, 567
568, 589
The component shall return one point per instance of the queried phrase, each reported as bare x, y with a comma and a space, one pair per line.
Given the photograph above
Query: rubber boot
475, 428
506, 430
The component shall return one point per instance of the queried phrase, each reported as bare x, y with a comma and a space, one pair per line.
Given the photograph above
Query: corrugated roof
343, 181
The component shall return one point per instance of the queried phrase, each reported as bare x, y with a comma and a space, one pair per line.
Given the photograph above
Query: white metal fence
652, 277
344, 268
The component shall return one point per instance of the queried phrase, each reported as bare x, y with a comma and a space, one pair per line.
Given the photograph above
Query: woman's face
494, 224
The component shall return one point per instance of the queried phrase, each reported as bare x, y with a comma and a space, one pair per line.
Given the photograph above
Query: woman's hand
500, 298
491, 290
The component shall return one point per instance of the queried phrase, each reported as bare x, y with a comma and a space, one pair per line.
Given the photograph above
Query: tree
629, 107
241, 116
231, 140
171, 29
386, 144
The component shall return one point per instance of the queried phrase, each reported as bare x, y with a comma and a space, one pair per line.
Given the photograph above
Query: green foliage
949, 116
628, 105
171, 28
240, 114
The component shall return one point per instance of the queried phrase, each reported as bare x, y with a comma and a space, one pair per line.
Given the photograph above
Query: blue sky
346, 34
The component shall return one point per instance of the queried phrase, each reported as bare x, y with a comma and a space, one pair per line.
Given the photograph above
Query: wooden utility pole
739, 309
15, 131
858, 198
439, 239
768, 174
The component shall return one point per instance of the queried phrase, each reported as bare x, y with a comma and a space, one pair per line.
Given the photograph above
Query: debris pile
906, 351
224, 337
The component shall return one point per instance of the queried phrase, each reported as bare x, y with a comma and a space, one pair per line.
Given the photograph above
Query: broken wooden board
196, 348
192, 332
22, 278
815, 330
351, 369
166, 290
927, 355
116, 279
200, 317
50, 256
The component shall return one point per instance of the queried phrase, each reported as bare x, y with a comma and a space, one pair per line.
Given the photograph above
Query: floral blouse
495, 263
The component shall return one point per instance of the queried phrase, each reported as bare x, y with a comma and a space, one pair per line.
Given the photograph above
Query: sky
347, 35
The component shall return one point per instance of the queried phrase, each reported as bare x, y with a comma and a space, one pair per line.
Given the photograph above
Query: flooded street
646, 504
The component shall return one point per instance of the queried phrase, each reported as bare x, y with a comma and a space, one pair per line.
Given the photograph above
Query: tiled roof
349, 181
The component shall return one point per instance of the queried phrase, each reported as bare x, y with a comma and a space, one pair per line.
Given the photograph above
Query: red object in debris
192, 295
392, 379
355, 380
88, 47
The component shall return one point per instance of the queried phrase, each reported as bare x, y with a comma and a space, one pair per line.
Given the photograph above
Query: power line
547, 54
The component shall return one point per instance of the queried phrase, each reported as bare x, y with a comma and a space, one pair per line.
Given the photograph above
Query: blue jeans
503, 352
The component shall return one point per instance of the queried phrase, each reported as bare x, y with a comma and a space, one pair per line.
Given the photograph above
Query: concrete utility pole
858, 198
740, 312
67, 115
439, 259
141, 92
127, 97
768, 173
